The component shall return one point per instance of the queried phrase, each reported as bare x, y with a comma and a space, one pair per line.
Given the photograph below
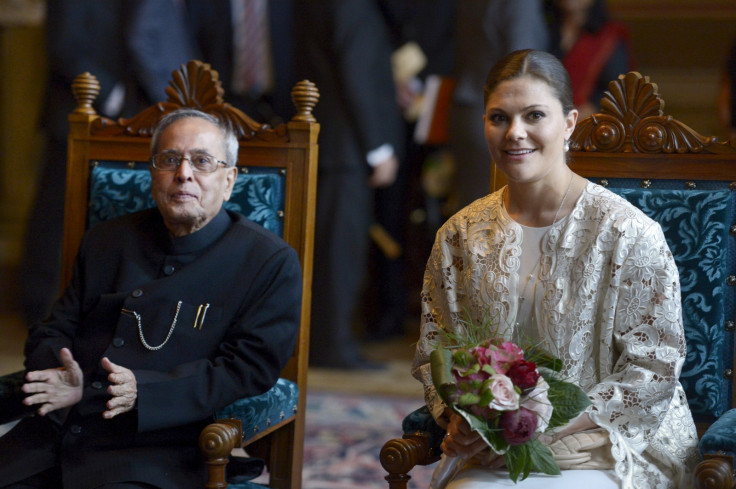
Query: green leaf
468, 399
486, 397
541, 458
440, 361
491, 435
488, 369
462, 358
518, 462
568, 400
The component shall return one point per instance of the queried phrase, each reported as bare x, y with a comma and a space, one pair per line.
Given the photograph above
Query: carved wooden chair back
107, 176
687, 183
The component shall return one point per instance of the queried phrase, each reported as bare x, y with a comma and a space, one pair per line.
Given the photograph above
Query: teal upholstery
696, 225
721, 436
261, 412
422, 420
118, 188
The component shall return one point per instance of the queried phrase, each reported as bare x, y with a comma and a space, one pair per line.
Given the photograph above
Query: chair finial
85, 88
305, 96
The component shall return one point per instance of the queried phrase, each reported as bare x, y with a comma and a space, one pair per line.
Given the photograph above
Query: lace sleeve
439, 304
648, 345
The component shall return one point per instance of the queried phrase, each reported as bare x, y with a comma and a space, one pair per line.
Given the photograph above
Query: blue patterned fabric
696, 225
245, 485
721, 435
261, 412
118, 188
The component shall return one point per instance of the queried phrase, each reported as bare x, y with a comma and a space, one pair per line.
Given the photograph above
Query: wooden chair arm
216, 442
400, 455
715, 472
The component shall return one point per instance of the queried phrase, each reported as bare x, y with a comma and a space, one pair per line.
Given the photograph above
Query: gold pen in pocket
199, 320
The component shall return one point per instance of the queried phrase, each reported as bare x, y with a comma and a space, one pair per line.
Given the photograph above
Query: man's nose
184, 170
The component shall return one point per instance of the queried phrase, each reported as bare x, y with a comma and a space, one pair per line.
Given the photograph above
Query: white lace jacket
610, 310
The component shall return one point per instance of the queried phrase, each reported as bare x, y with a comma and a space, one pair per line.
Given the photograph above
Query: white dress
610, 310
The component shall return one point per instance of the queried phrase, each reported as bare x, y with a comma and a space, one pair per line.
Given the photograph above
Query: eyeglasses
200, 162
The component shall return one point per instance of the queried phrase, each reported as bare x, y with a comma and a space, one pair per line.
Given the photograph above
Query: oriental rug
344, 436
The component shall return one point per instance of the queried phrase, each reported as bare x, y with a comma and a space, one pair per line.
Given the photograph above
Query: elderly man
172, 314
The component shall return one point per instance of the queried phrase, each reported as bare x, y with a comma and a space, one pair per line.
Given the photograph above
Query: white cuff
379, 155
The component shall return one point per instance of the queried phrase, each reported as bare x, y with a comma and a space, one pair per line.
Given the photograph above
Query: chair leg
284, 457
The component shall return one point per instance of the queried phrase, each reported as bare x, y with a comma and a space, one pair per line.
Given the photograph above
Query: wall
22, 81
682, 46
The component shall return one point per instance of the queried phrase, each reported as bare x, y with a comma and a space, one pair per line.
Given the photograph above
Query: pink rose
505, 398
504, 355
537, 402
518, 426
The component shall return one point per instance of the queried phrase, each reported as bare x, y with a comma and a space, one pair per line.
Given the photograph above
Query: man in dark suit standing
131, 46
344, 48
172, 314
222, 34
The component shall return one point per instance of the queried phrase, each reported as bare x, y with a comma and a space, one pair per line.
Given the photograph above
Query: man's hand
384, 174
124, 389
55, 388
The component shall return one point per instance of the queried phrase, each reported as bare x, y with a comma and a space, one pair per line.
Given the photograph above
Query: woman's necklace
533, 273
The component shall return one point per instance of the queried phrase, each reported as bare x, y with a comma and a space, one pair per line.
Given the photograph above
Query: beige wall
682, 46
22, 81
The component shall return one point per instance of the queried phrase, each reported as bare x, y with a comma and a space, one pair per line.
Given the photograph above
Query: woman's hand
460, 440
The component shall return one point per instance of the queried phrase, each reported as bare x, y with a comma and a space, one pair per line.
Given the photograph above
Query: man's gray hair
228, 135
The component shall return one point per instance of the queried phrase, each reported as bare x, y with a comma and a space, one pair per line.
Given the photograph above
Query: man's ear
231, 174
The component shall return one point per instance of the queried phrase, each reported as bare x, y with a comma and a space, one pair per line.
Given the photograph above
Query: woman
594, 49
563, 262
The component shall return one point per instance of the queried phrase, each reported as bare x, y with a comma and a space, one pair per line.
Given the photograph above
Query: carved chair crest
195, 85
632, 120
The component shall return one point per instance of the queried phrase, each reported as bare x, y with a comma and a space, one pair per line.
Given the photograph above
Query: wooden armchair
107, 176
687, 182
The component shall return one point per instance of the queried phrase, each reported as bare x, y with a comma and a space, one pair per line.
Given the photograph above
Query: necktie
252, 71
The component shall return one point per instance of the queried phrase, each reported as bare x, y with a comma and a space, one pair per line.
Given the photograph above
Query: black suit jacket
345, 49
251, 281
211, 23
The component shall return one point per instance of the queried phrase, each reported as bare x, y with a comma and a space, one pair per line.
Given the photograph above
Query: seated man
172, 314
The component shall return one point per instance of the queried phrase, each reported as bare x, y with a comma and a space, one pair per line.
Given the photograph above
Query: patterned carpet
344, 435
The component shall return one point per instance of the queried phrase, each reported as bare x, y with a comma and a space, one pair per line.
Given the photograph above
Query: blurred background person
349, 58
131, 47
251, 45
422, 40
486, 30
594, 48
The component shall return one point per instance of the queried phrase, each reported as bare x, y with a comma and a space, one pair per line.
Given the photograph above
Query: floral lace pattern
610, 310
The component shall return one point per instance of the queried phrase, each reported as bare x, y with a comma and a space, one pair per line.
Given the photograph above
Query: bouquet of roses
509, 398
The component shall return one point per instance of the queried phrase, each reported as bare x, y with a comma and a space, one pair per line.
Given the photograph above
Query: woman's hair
228, 136
538, 64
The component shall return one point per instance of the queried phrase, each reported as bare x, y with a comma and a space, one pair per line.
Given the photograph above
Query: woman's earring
567, 145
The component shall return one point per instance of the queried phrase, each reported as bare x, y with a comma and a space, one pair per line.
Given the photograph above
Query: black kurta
251, 280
